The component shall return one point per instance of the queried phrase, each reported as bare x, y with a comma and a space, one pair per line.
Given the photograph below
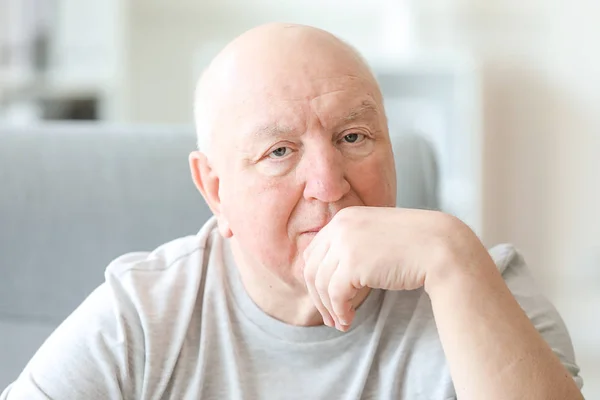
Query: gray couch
73, 197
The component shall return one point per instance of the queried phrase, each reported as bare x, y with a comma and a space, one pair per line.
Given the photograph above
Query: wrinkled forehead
287, 84
294, 102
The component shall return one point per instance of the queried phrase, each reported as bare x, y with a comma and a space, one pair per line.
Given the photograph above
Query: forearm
493, 350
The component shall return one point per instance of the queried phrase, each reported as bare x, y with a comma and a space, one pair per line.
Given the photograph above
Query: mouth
312, 231
316, 225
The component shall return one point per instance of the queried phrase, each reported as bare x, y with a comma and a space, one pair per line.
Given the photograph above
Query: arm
84, 358
493, 349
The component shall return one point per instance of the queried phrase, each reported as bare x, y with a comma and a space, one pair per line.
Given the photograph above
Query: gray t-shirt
177, 324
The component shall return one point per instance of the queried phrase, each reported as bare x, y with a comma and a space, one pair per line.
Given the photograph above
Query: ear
207, 182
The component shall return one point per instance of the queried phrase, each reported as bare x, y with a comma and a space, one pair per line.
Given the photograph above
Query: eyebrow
366, 107
275, 130
271, 130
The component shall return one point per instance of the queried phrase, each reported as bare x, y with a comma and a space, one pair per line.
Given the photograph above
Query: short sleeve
538, 308
86, 357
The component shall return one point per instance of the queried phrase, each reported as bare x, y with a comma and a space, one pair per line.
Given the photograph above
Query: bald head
271, 60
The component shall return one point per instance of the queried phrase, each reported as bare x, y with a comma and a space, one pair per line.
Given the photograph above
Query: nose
324, 174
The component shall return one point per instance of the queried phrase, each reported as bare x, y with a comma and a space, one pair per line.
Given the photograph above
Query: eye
280, 152
353, 137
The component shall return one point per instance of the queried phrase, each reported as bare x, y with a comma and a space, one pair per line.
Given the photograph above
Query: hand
380, 248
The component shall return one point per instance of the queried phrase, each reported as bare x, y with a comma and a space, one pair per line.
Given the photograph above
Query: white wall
166, 40
542, 143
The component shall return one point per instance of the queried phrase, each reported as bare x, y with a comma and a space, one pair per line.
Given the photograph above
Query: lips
317, 224
313, 231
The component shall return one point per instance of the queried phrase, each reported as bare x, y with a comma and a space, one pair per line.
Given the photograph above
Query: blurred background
508, 92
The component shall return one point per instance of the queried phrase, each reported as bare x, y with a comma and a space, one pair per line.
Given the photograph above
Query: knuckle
322, 288
337, 297
310, 274
336, 292
342, 218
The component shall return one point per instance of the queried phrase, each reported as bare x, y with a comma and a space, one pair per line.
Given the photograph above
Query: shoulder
518, 277
540, 310
137, 271
168, 256
158, 291
176, 266
130, 327
521, 282
504, 255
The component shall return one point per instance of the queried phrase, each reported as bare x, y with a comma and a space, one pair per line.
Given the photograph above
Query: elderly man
307, 283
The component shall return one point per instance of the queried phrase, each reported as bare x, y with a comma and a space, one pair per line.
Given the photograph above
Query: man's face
299, 148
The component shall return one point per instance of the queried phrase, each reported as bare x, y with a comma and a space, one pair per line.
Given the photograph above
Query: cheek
258, 212
259, 216
374, 181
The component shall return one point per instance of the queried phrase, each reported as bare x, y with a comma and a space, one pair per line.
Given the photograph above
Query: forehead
295, 102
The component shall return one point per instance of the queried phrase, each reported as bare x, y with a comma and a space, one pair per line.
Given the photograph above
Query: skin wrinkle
215, 83
275, 130
265, 83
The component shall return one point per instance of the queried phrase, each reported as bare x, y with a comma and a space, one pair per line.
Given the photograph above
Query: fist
379, 248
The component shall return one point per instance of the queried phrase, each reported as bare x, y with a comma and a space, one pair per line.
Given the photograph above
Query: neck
281, 300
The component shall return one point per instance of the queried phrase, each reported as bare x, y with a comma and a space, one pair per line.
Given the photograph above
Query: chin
294, 275
290, 268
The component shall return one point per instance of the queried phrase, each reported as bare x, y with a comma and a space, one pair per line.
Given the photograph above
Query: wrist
443, 271
457, 256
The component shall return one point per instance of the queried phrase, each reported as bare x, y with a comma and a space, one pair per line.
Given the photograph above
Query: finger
316, 299
322, 279
310, 274
341, 294
312, 246
315, 251
317, 241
